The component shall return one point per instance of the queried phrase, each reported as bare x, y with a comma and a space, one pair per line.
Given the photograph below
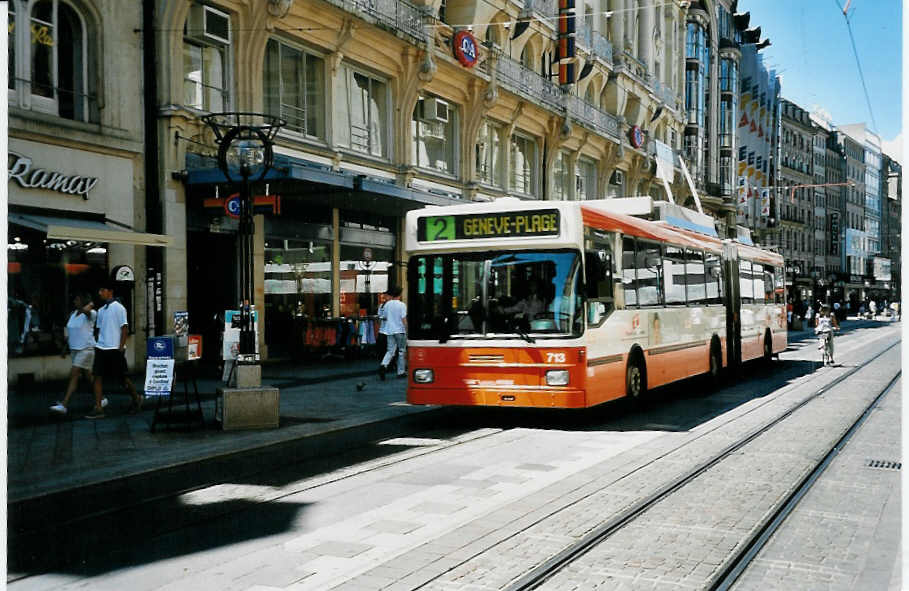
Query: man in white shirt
395, 327
81, 343
110, 350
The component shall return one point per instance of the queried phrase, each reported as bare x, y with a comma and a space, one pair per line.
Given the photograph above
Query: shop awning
93, 230
284, 169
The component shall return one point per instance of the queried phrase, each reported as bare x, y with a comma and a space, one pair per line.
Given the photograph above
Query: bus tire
715, 364
635, 376
768, 348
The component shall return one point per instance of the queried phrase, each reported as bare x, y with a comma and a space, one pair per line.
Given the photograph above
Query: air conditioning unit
617, 178
208, 24
435, 110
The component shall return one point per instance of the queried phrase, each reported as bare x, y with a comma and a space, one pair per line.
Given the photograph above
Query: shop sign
20, 168
541, 222
636, 136
465, 48
124, 273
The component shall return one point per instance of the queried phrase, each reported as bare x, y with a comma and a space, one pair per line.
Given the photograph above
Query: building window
585, 179
294, 87
490, 157
434, 132
560, 176
363, 122
206, 40
43, 278
48, 59
523, 165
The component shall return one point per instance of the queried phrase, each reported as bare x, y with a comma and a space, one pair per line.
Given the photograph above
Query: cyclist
825, 326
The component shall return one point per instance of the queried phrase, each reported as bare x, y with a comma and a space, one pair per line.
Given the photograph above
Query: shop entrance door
212, 286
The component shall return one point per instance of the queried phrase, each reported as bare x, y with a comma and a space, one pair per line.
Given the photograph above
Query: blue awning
284, 169
202, 171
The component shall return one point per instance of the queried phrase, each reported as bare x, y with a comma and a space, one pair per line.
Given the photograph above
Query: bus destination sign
539, 222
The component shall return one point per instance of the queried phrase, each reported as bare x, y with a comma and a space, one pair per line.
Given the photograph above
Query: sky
812, 51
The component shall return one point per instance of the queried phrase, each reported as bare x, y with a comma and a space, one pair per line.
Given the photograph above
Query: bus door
733, 305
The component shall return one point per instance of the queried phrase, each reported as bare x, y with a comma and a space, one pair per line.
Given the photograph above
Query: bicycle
826, 345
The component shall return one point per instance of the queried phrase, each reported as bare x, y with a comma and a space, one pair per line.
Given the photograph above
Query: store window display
42, 277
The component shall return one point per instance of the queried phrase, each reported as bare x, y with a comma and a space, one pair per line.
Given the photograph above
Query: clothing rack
339, 337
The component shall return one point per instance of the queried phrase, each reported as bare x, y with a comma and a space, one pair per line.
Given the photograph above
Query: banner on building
881, 269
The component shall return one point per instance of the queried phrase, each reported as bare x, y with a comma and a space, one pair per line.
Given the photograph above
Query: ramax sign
20, 168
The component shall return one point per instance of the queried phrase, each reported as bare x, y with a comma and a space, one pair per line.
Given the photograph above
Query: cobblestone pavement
477, 514
686, 540
845, 532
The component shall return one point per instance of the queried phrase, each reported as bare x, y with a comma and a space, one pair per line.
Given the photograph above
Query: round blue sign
636, 136
465, 48
232, 206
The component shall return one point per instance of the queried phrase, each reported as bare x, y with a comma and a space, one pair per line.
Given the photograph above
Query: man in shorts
110, 350
80, 339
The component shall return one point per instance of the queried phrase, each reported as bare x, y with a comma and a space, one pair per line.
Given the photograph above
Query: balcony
397, 15
663, 92
521, 80
602, 48
590, 116
548, 8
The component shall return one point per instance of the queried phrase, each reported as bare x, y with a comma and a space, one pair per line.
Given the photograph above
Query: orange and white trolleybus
572, 304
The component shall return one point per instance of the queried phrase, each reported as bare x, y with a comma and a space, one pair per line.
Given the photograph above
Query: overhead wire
858, 62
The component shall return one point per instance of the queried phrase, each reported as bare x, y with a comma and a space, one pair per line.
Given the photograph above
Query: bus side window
629, 273
714, 279
674, 275
746, 283
694, 277
779, 288
598, 280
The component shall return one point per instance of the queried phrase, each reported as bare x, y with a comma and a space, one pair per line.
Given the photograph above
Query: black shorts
109, 363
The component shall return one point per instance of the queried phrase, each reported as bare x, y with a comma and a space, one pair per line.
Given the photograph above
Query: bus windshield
530, 294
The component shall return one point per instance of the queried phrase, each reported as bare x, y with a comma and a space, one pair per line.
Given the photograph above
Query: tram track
545, 571
277, 494
744, 559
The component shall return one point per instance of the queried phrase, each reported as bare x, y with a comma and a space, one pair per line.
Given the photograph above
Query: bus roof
573, 214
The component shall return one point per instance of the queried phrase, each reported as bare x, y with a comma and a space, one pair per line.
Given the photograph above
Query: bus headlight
557, 377
423, 376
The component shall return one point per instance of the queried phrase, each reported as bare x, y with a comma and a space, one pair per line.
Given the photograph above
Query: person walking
80, 341
395, 329
110, 350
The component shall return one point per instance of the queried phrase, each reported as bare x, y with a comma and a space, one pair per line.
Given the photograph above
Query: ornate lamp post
245, 156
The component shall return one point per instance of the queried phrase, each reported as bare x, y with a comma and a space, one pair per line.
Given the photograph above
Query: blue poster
160, 348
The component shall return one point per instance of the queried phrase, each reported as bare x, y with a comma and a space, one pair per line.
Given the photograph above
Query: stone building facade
76, 174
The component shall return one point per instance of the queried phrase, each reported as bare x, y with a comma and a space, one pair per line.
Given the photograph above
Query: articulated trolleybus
572, 304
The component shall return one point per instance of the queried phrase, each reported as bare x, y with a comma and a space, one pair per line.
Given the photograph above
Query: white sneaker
58, 408
104, 402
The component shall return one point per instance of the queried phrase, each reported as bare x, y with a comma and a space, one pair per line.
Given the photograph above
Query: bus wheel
635, 379
768, 349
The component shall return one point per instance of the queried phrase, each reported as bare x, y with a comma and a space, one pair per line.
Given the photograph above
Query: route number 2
440, 228
555, 358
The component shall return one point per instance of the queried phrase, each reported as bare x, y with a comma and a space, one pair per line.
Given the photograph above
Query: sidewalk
51, 456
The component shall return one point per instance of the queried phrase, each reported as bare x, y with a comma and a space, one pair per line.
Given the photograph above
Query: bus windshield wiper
524, 335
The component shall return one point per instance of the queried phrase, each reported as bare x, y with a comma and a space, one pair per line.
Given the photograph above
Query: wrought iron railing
602, 48
519, 78
399, 15
590, 116
549, 8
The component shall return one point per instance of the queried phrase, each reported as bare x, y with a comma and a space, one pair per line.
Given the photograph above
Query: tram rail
539, 575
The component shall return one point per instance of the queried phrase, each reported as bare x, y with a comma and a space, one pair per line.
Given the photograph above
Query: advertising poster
231, 344
159, 377
159, 369
181, 327
194, 347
